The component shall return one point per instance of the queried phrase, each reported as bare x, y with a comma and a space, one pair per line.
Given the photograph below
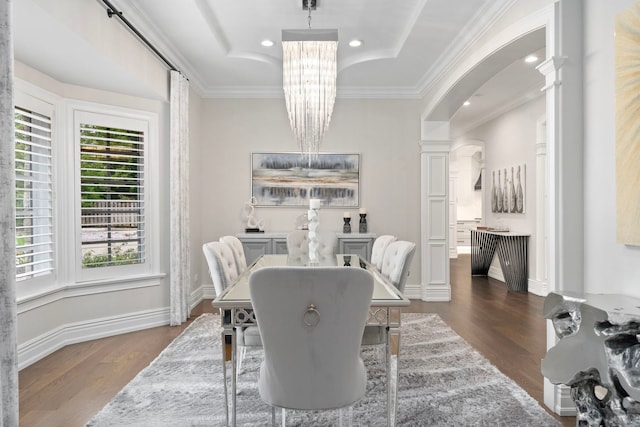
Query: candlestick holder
346, 228
314, 222
363, 223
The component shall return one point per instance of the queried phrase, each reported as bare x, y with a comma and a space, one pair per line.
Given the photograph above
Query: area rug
443, 382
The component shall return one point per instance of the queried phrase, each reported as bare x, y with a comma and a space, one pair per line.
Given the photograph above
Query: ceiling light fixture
266, 43
531, 59
466, 103
309, 70
355, 43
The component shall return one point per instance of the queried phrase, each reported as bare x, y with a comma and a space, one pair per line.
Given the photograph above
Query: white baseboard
413, 291
537, 287
436, 293
208, 292
533, 286
496, 273
558, 399
37, 348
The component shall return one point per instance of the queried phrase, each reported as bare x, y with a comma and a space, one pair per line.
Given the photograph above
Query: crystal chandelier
309, 81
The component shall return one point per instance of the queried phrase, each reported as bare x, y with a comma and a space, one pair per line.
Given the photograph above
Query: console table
596, 355
512, 254
275, 243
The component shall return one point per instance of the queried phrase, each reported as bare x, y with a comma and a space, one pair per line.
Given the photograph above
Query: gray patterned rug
443, 382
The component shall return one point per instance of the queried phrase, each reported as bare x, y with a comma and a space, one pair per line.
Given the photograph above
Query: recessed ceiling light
266, 43
466, 103
355, 43
531, 59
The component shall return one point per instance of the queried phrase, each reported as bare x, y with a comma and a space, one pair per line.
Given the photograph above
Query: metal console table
512, 254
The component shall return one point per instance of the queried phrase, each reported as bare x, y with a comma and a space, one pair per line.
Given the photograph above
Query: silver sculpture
597, 355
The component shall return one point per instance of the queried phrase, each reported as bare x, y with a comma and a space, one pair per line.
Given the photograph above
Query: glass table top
237, 295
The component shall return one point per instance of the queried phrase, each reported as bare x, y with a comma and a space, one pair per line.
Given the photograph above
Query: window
34, 195
112, 201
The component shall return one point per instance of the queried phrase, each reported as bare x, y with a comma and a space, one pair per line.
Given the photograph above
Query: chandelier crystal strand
309, 77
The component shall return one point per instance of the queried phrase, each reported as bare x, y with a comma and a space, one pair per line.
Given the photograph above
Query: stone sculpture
597, 355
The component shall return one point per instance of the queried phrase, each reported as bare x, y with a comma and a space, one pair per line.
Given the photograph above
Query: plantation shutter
112, 196
34, 194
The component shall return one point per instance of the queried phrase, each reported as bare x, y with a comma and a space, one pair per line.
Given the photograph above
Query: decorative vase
494, 194
512, 194
499, 193
314, 222
363, 222
519, 195
505, 194
346, 228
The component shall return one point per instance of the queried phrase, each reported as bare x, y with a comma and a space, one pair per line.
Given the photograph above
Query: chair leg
284, 417
273, 416
349, 418
243, 353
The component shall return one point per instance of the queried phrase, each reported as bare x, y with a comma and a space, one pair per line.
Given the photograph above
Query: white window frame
42, 102
65, 280
102, 115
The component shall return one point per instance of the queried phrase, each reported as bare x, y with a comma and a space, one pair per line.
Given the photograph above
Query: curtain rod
111, 11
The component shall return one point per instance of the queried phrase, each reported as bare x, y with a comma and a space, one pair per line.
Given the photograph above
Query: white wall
384, 132
65, 315
610, 267
466, 168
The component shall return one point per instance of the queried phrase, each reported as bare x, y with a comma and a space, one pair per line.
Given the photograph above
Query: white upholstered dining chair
396, 262
222, 265
378, 249
223, 271
298, 243
238, 252
311, 320
395, 267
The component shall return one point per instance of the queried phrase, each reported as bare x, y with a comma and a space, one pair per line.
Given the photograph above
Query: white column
540, 281
565, 199
453, 214
434, 194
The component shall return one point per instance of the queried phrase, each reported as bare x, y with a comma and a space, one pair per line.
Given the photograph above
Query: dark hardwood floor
69, 386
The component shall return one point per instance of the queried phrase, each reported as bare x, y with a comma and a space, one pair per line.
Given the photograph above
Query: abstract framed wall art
627, 84
292, 179
508, 189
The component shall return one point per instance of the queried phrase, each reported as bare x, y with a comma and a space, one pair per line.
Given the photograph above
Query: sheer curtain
8, 319
179, 176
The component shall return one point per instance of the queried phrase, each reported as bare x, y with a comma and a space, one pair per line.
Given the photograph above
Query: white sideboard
256, 244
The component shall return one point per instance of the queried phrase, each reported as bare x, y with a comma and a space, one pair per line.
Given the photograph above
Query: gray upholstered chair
223, 271
298, 244
238, 252
311, 320
395, 267
379, 247
396, 262
222, 265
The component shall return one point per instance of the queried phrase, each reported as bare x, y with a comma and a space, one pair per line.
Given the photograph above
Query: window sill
48, 295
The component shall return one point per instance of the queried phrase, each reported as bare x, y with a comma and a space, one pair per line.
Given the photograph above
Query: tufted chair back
311, 320
238, 252
298, 243
379, 247
222, 265
396, 262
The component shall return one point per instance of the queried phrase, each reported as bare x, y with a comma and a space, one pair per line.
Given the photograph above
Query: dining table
385, 312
